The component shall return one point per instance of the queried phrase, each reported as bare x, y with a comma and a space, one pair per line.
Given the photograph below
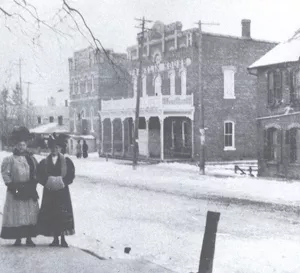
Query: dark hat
20, 133
60, 140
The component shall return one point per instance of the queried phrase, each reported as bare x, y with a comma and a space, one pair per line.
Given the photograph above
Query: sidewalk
44, 259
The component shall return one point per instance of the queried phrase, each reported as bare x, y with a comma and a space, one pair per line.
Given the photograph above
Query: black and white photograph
143, 136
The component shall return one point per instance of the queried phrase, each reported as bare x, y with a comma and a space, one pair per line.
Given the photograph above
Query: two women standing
21, 173
82, 150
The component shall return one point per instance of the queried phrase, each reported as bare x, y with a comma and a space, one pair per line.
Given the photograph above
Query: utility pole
141, 36
27, 103
200, 102
20, 79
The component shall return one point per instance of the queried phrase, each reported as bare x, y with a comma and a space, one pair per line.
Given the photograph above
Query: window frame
229, 71
232, 147
275, 93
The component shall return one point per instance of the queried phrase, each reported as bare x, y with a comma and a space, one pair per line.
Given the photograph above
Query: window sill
229, 98
229, 149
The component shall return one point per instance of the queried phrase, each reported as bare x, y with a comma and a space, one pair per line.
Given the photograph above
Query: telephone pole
27, 103
20, 79
141, 36
200, 102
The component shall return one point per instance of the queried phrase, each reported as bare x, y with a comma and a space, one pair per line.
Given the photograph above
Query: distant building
51, 118
169, 100
278, 109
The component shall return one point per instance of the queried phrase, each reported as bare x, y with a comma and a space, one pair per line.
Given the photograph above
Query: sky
112, 21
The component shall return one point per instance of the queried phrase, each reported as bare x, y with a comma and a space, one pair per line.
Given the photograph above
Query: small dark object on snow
127, 250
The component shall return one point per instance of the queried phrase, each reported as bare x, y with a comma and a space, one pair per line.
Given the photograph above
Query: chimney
246, 28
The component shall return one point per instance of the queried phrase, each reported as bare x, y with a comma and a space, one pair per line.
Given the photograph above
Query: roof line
239, 38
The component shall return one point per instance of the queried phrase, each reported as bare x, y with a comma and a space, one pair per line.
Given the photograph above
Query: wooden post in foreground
209, 240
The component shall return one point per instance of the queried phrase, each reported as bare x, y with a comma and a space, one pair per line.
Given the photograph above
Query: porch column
112, 136
161, 138
147, 132
192, 138
123, 137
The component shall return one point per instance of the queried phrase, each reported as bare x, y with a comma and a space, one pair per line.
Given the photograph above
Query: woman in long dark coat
21, 207
56, 173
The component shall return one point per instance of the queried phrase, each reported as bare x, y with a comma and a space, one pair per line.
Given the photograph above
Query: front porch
165, 127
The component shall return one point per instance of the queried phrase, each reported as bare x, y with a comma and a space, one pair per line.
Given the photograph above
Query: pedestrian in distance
78, 149
85, 149
19, 173
56, 173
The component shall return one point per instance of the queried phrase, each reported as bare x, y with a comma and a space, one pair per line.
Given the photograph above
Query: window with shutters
272, 144
229, 82
296, 87
229, 137
274, 87
293, 144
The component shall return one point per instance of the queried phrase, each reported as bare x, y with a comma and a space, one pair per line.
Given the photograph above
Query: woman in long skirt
56, 173
21, 206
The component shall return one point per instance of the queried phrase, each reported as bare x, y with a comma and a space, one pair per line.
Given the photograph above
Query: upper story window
73, 87
274, 87
51, 119
229, 82
39, 120
296, 87
229, 135
93, 83
86, 85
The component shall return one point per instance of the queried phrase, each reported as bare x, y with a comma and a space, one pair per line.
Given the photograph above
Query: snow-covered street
163, 222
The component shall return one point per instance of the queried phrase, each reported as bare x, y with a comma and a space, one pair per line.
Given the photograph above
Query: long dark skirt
56, 213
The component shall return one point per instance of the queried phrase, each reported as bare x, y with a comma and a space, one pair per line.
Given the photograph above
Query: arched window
86, 84
92, 119
74, 121
172, 82
73, 88
274, 86
293, 143
93, 83
183, 82
78, 87
157, 85
82, 113
272, 143
229, 135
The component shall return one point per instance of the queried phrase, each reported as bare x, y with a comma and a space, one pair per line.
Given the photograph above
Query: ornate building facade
169, 101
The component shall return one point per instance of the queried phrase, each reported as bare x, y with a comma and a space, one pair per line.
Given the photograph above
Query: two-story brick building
278, 109
168, 127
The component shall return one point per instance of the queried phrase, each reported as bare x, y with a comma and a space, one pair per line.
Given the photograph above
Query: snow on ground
154, 210
185, 179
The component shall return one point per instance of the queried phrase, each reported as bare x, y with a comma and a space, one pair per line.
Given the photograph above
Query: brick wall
219, 51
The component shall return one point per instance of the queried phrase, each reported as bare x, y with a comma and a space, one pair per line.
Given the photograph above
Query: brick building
278, 109
92, 77
169, 96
